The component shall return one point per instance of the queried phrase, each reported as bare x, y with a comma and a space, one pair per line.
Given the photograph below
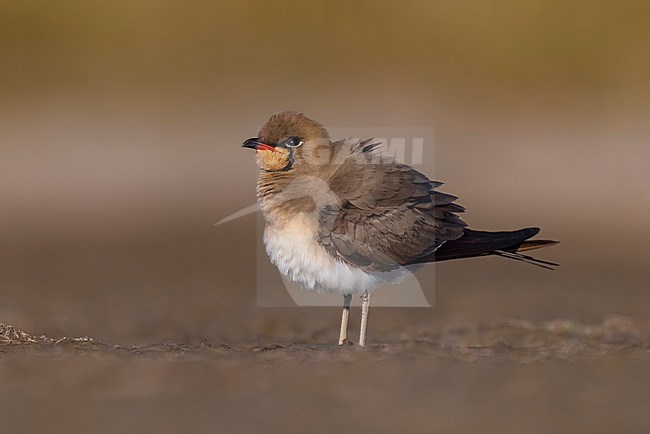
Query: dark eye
291, 142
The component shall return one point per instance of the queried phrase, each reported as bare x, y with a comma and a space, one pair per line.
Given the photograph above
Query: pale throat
273, 161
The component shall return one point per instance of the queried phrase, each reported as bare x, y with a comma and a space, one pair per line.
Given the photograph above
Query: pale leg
365, 307
343, 336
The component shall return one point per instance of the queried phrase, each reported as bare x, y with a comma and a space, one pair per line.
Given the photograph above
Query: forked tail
507, 244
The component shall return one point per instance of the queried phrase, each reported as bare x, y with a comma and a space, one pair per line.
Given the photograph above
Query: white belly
294, 250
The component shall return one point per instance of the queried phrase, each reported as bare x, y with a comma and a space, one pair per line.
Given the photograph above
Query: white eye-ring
293, 142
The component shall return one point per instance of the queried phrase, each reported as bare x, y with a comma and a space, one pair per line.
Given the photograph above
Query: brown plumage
341, 217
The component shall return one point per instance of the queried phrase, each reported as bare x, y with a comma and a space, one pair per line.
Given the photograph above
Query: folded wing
389, 214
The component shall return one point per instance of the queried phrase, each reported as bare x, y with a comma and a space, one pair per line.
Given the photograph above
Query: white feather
294, 249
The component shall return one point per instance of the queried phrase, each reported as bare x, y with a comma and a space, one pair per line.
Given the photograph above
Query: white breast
293, 248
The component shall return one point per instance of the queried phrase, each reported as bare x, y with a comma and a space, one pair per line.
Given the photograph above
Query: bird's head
289, 140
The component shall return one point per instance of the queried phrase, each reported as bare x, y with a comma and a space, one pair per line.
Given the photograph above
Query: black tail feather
480, 243
527, 259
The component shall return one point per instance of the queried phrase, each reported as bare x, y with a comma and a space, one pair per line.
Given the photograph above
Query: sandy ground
502, 376
196, 354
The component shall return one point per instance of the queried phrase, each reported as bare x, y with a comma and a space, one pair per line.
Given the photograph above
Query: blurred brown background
121, 127
121, 124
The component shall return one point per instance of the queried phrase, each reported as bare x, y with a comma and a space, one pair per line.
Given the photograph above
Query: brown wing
389, 214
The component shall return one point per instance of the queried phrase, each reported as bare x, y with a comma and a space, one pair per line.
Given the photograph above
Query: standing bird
342, 218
